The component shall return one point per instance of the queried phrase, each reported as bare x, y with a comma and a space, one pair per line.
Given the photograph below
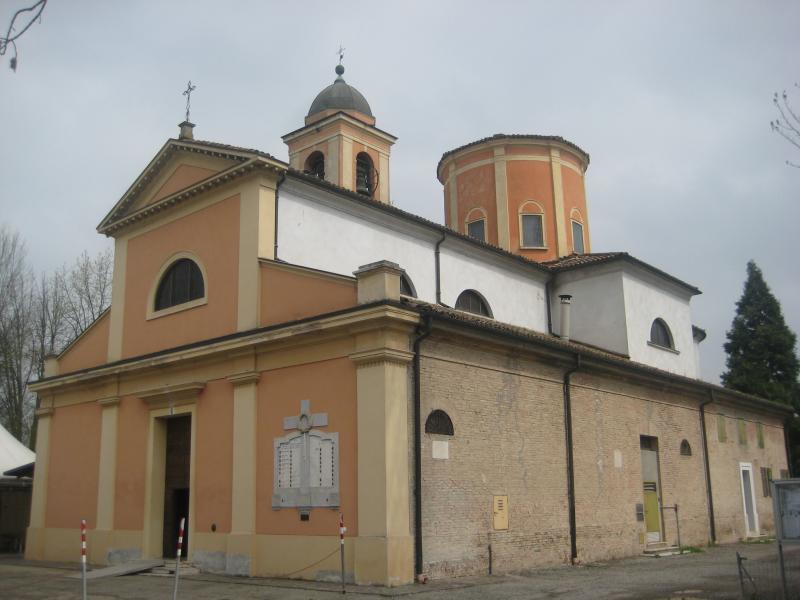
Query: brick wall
507, 412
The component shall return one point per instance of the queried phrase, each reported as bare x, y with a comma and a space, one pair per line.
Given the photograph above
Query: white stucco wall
514, 297
647, 300
312, 234
598, 307
318, 230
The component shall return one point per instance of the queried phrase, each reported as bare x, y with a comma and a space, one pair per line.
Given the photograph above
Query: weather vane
188, 93
341, 53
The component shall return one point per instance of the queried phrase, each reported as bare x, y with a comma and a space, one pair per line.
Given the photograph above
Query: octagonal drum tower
523, 193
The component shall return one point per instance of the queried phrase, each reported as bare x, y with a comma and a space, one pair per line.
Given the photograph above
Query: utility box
500, 512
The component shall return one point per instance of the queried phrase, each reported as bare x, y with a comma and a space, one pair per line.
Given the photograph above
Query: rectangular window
742, 432
760, 434
532, 231
477, 230
766, 478
722, 435
577, 237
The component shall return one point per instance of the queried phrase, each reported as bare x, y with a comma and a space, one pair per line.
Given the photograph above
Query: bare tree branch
11, 39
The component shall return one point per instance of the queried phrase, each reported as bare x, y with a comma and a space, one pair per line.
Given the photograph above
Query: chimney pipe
566, 301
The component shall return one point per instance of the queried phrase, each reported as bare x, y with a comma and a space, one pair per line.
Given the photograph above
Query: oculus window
660, 334
183, 282
532, 231
477, 230
577, 237
472, 302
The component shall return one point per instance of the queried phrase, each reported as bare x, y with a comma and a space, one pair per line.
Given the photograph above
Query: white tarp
13, 454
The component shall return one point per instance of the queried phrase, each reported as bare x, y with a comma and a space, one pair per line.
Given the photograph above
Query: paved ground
711, 574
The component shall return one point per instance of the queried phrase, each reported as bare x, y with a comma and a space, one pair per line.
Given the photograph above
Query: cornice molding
381, 355
172, 395
111, 401
244, 378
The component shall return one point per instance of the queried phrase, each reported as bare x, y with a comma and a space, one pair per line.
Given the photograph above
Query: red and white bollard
83, 556
342, 530
178, 558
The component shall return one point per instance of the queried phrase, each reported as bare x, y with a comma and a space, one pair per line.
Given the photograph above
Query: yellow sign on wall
500, 512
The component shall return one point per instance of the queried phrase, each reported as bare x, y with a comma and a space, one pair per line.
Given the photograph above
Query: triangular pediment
178, 166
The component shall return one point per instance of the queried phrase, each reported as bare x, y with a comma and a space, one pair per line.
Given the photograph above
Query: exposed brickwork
507, 412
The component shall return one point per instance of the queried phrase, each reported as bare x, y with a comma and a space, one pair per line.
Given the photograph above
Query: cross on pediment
305, 420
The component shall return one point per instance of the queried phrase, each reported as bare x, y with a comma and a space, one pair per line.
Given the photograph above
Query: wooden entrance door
176, 483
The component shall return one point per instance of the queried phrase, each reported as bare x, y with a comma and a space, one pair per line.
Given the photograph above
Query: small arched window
365, 174
315, 164
406, 287
181, 283
686, 449
660, 334
439, 422
472, 301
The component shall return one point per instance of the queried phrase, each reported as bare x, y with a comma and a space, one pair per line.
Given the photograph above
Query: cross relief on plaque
306, 462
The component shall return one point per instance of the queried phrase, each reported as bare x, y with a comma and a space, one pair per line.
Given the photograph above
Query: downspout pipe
707, 468
786, 425
438, 269
547, 290
423, 331
573, 534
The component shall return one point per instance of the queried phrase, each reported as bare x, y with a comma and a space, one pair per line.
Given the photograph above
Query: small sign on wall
500, 512
441, 449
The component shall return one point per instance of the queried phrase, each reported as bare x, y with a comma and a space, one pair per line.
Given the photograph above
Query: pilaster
35, 542
241, 541
562, 246
501, 198
117, 300
332, 160
383, 182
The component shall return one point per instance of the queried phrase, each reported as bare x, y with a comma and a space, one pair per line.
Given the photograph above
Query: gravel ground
710, 574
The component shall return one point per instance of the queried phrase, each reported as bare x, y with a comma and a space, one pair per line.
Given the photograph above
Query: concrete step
660, 549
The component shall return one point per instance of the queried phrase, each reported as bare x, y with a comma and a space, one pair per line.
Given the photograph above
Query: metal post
178, 559
678, 527
739, 560
83, 556
783, 571
342, 529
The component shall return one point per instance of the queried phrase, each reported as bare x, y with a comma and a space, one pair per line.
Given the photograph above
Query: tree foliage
40, 316
760, 346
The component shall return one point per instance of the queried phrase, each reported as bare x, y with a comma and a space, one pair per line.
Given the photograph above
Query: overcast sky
672, 100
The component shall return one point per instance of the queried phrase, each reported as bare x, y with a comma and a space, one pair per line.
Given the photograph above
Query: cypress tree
760, 347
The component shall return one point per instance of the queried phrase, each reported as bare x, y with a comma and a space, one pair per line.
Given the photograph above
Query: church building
286, 345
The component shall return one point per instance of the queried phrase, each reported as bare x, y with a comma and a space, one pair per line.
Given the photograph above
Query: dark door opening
176, 484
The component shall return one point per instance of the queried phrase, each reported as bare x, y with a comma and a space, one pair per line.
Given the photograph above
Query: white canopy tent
13, 453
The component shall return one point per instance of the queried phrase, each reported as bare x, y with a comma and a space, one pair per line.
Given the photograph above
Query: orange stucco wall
214, 449
212, 234
331, 388
74, 464
289, 295
574, 198
132, 436
531, 180
90, 350
476, 189
182, 177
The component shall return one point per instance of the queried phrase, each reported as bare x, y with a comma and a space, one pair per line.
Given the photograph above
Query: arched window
475, 224
472, 301
686, 449
365, 175
439, 422
315, 164
531, 225
181, 283
660, 334
406, 287
577, 237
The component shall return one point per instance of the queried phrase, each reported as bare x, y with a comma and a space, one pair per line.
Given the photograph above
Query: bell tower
340, 143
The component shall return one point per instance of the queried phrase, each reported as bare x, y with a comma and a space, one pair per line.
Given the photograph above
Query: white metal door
749, 499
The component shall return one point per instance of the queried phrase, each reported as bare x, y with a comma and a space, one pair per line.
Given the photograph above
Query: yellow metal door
651, 517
